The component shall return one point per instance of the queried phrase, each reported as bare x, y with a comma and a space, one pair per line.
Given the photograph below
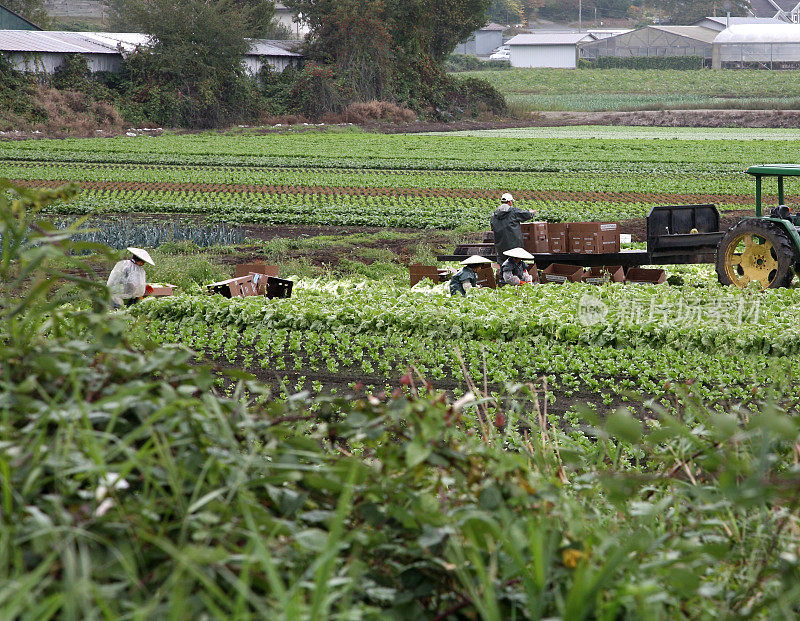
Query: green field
624, 89
420, 181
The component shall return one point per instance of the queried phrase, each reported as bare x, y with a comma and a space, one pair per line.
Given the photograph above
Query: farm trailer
763, 249
669, 241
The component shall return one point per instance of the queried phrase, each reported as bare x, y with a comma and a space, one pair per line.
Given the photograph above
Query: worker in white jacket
127, 280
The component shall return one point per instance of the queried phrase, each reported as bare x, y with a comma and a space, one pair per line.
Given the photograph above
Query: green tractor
764, 249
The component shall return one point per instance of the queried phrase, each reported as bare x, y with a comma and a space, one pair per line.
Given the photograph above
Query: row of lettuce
615, 343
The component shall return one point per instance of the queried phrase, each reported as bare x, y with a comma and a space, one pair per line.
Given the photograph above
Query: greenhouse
775, 46
654, 41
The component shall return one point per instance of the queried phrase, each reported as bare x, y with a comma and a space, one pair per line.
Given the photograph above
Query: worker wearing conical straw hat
127, 280
466, 278
514, 270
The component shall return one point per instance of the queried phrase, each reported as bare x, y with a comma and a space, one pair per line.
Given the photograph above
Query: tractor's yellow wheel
756, 251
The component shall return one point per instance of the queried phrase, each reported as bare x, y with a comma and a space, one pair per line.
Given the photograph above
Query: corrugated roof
128, 41
493, 26
265, 47
50, 41
698, 33
757, 33
550, 38
105, 43
740, 21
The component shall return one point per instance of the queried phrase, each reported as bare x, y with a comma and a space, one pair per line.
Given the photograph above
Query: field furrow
531, 195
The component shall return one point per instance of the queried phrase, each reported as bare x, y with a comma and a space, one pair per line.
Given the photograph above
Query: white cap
518, 253
506, 198
475, 260
141, 254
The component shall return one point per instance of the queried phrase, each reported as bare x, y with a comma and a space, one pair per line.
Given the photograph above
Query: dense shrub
18, 108
644, 62
479, 97
371, 111
317, 91
461, 62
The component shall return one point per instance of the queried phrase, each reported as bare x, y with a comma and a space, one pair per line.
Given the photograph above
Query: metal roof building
768, 46
547, 49
655, 41
277, 54
44, 51
482, 42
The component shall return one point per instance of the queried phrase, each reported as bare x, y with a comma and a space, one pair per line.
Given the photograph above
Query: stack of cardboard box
571, 237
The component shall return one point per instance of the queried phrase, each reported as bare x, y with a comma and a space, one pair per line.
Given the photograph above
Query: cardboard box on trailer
260, 282
593, 237
535, 237
557, 233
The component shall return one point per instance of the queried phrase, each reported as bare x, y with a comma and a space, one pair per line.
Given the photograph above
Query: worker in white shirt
127, 281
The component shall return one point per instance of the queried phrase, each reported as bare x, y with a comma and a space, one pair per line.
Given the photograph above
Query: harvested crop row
531, 195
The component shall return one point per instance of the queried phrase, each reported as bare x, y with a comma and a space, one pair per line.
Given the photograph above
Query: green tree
506, 11
192, 73
32, 10
390, 50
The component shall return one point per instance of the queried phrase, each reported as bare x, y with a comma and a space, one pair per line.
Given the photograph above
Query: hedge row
643, 62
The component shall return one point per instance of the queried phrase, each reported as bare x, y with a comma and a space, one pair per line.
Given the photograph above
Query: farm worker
514, 270
506, 227
466, 278
127, 280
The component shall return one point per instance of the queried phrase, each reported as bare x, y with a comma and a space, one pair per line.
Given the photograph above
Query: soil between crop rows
572, 196
344, 379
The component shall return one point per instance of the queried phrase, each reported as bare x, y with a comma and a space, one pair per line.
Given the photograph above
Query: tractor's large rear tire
756, 250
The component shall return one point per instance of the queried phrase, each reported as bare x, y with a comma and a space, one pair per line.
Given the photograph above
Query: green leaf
624, 426
416, 453
490, 498
312, 539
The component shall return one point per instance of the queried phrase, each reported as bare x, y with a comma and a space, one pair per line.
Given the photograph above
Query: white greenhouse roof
699, 33
757, 33
50, 41
550, 38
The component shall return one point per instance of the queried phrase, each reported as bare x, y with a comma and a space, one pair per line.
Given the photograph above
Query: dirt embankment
643, 118
678, 118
